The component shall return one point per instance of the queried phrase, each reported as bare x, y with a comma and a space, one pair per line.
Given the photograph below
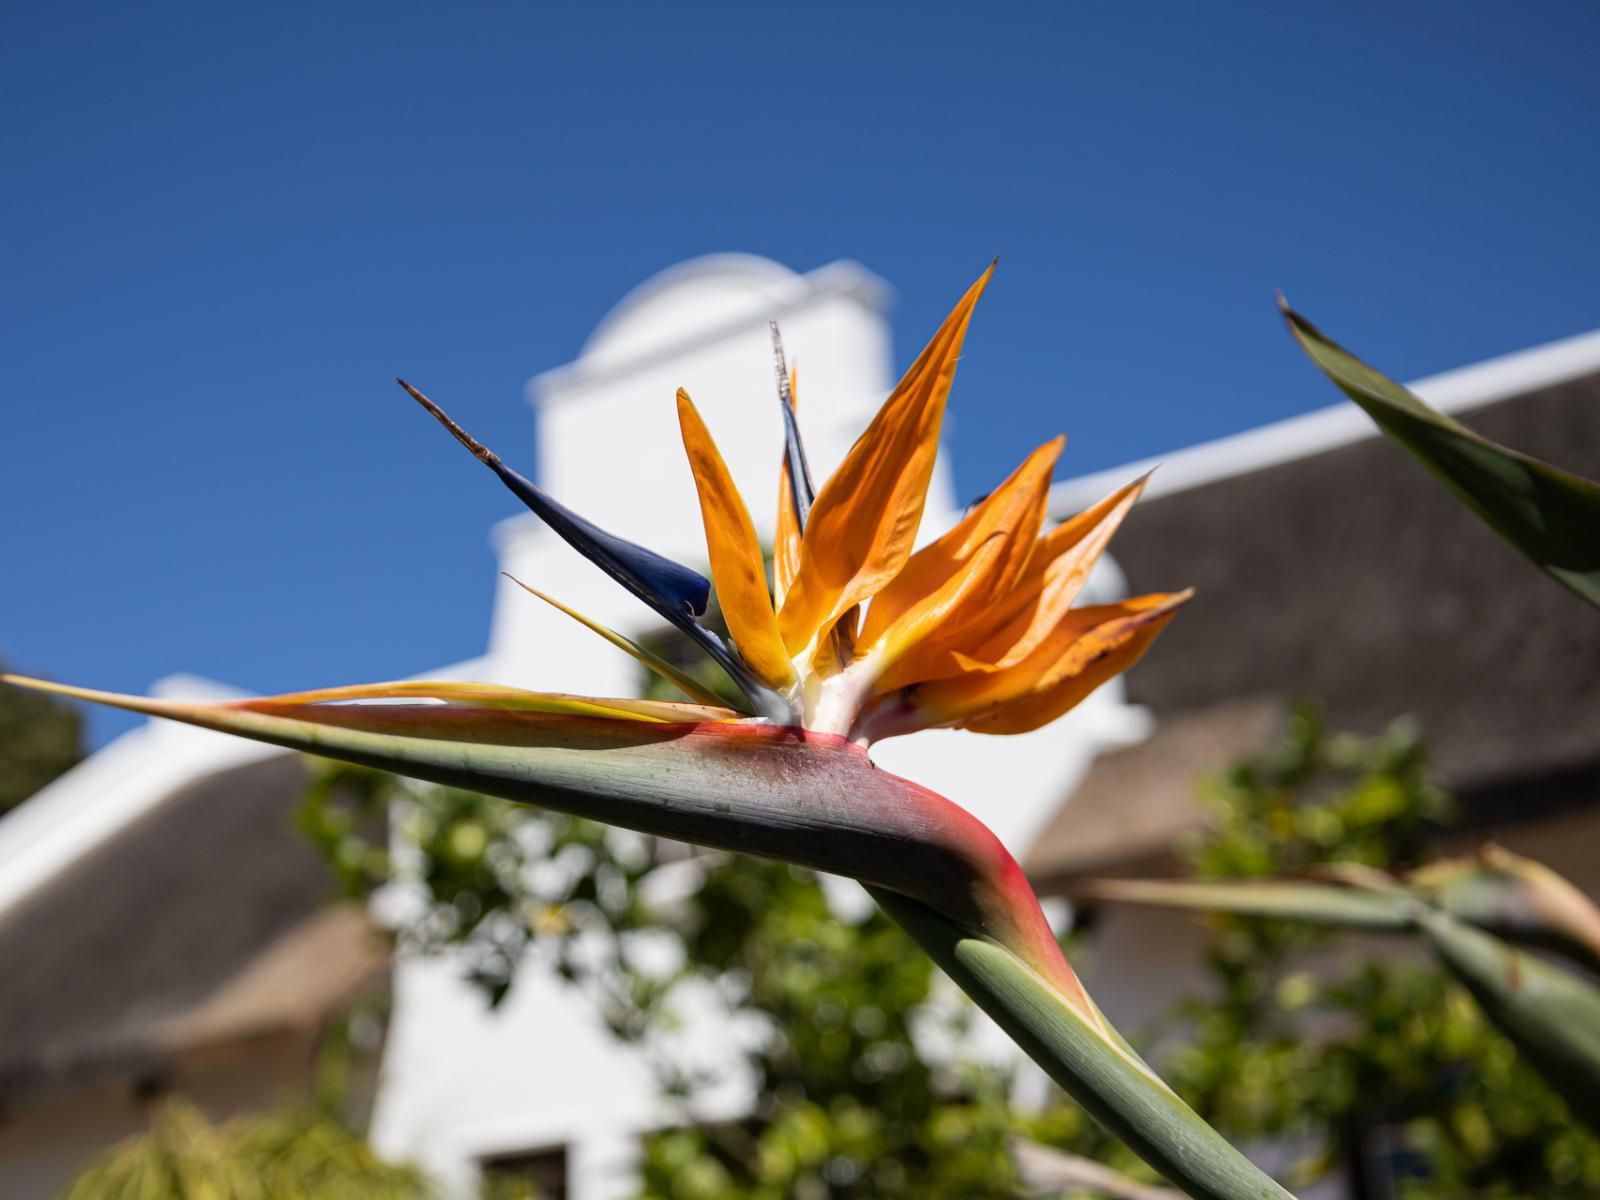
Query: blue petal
661, 583
671, 589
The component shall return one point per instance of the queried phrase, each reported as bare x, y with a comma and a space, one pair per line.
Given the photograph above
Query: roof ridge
1458, 390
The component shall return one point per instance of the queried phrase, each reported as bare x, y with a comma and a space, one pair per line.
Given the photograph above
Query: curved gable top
683, 301
700, 301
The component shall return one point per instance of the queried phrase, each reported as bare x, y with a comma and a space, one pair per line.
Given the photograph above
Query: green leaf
1550, 1015
1550, 515
1515, 898
1285, 899
1094, 1067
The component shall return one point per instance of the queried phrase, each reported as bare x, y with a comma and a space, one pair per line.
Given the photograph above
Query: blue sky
223, 230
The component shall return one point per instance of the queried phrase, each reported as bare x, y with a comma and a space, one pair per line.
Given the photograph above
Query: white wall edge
1455, 391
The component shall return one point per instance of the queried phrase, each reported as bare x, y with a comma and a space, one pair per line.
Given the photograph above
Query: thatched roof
1126, 815
1354, 578
205, 920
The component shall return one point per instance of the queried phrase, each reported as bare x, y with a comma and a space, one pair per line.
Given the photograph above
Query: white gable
609, 444
686, 301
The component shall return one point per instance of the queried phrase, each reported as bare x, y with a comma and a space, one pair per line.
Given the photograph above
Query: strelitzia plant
1473, 913
861, 636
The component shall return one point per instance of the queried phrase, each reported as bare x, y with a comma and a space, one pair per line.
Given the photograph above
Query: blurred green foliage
311, 1150
40, 738
848, 1107
295, 1155
1367, 1054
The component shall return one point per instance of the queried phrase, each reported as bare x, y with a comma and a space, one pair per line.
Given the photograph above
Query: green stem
1131, 1103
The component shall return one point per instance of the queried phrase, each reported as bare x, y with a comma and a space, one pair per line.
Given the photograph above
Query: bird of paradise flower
860, 636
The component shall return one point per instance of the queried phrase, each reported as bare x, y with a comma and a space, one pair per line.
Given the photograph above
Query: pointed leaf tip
1284, 899
1545, 512
479, 450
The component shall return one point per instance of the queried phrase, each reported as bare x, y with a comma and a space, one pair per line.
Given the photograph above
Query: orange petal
1014, 626
1105, 651
1087, 647
737, 567
1056, 573
786, 539
865, 518
968, 569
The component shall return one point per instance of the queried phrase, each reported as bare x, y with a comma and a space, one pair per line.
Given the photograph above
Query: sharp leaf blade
1550, 515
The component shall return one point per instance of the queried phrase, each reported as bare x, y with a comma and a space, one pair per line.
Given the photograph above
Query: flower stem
1093, 1069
